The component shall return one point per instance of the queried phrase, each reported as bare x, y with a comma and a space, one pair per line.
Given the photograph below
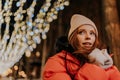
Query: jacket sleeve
55, 70
113, 73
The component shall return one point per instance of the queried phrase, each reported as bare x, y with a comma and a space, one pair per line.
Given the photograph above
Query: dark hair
63, 44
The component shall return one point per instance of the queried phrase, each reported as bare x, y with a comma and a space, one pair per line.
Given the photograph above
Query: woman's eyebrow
81, 29
93, 31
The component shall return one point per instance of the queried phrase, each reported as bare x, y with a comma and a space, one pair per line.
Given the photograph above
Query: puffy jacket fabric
55, 69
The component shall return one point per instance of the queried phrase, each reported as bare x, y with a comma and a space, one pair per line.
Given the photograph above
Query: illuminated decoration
28, 32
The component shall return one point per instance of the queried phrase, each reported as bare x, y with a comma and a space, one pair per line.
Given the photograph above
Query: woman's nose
87, 36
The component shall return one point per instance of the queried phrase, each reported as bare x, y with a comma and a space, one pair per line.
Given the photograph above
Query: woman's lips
87, 44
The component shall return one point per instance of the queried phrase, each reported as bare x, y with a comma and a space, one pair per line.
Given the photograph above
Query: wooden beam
112, 27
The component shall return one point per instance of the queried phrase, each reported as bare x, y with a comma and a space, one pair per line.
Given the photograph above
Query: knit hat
78, 20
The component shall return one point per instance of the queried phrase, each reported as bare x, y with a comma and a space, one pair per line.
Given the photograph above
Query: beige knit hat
78, 20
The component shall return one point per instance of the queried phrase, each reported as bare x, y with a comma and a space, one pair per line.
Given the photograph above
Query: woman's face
86, 36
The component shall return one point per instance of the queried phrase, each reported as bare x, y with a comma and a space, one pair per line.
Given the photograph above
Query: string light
15, 67
37, 53
27, 33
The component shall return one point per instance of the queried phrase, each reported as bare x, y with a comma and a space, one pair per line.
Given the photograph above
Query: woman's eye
81, 32
92, 33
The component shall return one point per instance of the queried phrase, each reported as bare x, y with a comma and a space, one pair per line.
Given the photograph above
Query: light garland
27, 33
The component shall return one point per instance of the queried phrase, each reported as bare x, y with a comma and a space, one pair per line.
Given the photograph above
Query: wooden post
112, 27
44, 53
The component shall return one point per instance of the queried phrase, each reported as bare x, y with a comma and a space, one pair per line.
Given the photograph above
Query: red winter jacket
55, 69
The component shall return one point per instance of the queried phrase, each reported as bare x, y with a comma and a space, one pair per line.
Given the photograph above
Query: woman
80, 59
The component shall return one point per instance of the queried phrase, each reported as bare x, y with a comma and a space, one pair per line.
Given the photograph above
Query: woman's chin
87, 47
